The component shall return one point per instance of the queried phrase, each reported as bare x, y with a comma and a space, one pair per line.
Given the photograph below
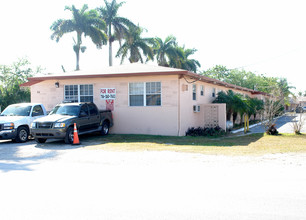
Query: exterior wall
173, 117
189, 118
156, 120
46, 93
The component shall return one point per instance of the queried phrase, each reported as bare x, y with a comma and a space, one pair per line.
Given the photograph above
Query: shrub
272, 130
205, 131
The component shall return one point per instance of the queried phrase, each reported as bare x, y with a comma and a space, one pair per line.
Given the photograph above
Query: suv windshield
17, 110
65, 110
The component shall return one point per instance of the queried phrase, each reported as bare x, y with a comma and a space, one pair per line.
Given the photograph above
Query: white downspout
179, 106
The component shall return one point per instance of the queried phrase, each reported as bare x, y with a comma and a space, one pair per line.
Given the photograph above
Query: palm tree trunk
235, 114
110, 53
110, 48
77, 60
77, 48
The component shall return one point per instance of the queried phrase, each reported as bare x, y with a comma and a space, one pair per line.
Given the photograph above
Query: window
37, 110
202, 90
213, 94
71, 93
145, 94
78, 93
92, 110
194, 92
84, 111
86, 93
153, 94
136, 94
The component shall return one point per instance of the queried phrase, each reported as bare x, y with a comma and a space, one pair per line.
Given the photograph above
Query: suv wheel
105, 128
69, 136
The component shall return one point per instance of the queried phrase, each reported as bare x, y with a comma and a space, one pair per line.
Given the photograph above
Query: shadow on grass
224, 141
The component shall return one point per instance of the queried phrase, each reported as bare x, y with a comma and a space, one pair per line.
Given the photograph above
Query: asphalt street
284, 124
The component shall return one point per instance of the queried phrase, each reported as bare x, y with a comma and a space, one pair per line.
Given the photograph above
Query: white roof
121, 69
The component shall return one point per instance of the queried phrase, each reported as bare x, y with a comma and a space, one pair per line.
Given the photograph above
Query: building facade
144, 99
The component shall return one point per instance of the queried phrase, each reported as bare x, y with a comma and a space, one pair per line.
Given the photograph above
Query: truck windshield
17, 110
65, 110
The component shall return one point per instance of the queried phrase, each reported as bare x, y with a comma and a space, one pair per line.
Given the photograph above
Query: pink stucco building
145, 99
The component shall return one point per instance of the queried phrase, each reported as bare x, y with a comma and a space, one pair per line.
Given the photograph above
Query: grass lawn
253, 144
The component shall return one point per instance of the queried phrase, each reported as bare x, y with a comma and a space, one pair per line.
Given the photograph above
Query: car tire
22, 134
40, 140
69, 136
105, 128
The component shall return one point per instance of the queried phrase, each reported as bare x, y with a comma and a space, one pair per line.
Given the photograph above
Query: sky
262, 36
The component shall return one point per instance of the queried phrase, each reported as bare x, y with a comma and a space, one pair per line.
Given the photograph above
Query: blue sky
263, 36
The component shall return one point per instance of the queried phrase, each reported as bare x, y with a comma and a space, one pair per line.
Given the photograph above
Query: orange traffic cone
75, 136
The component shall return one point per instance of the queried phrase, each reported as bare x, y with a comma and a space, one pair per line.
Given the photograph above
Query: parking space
57, 181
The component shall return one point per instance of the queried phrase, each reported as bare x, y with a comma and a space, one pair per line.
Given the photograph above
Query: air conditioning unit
196, 108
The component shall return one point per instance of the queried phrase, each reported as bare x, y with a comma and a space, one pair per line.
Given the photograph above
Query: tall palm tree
82, 22
165, 51
134, 46
121, 25
185, 62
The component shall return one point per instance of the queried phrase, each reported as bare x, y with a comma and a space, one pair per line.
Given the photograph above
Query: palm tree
229, 99
134, 46
284, 91
165, 50
223, 97
255, 106
82, 22
185, 62
240, 106
121, 25
234, 104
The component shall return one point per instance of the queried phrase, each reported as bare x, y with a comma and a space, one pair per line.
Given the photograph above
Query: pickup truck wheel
69, 136
40, 140
105, 128
22, 134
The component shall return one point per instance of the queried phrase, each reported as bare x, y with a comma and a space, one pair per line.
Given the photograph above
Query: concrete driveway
57, 181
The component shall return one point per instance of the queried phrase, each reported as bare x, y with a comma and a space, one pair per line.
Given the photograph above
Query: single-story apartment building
296, 102
144, 99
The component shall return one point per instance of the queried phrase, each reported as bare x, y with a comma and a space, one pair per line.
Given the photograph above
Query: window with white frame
202, 90
78, 93
213, 94
194, 92
145, 94
86, 93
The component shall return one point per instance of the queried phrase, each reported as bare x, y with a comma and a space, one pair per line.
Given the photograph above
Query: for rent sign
108, 93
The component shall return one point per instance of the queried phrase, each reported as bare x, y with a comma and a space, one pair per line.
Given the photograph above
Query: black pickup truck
59, 124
